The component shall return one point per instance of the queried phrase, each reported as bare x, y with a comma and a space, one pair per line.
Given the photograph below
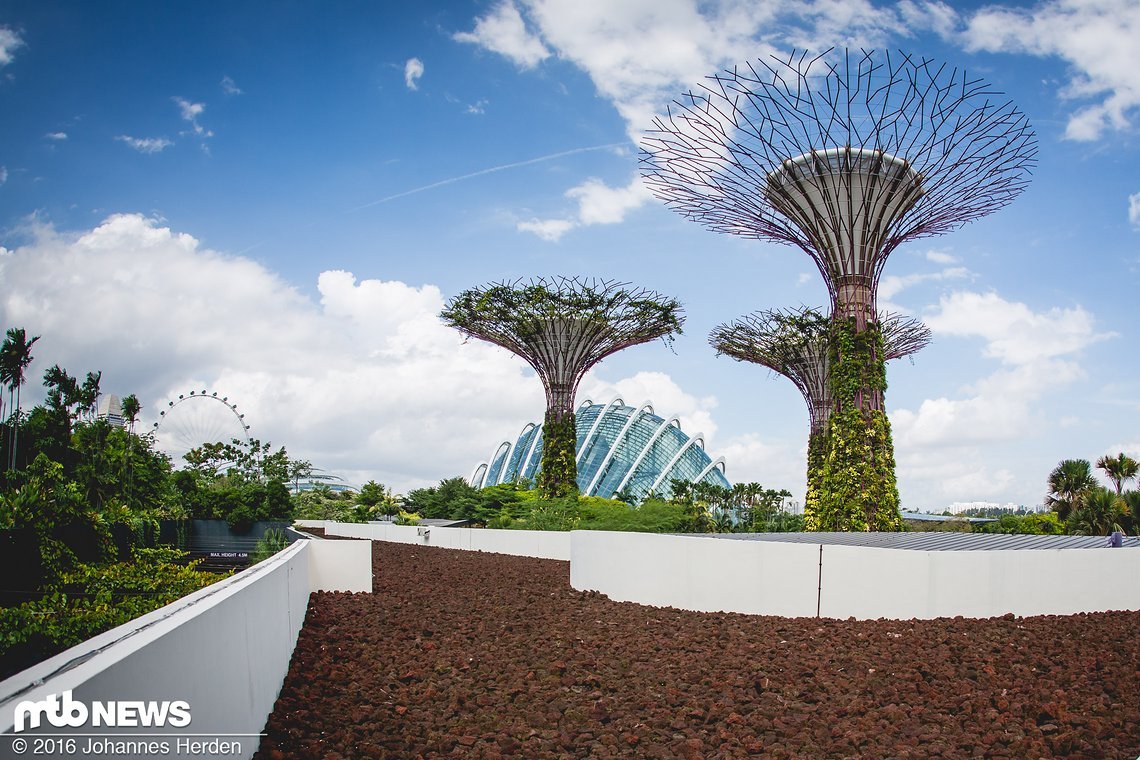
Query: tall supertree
797, 343
562, 327
845, 155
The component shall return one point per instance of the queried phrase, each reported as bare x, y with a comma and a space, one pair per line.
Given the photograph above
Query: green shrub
1043, 524
272, 542
407, 518
91, 599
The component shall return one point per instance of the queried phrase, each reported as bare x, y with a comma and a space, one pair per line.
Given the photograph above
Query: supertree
562, 327
797, 344
845, 155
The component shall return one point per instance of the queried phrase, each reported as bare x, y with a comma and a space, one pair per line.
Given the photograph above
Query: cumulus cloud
10, 42
364, 380
598, 203
939, 444
1097, 38
413, 70
367, 382
1134, 210
1014, 333
3, 174
642, 53
146, 144
503, 31
56, 136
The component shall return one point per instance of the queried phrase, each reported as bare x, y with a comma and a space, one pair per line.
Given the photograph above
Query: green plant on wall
857, 488
558, 475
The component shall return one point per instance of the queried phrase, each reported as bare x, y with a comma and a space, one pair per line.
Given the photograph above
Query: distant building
621, 449
111, 409
959, 507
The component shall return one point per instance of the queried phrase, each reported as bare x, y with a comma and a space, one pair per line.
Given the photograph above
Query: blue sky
274, 201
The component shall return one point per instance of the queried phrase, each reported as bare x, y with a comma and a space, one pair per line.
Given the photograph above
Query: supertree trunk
558, 474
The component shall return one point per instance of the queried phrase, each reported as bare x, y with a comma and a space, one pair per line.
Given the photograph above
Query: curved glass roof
620, 448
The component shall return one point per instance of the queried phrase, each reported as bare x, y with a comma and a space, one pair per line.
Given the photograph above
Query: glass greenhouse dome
620, 449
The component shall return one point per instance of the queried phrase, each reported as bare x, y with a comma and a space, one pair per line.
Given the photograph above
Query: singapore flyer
197, 418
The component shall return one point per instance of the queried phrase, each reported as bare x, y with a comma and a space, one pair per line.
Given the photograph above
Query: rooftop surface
936, 541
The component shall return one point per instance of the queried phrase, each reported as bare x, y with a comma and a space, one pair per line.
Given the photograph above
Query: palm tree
1098, 514
1068, 483
15, 356
131, 407
1119, 469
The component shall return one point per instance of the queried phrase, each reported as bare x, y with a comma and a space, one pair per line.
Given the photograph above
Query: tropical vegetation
81, 501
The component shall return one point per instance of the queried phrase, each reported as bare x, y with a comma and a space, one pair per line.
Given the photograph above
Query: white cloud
941, 257
478, 108
1013, 332
413, 70
503, 31
56, 136
803, 278
367, 382
938, 17
1134, 210
891, 285
190, 113
1097, 38
598, 203
1132, 449
668, 399
940, 444
10, 42
146, 144
229, 87
3, 174
751, 459
550, 230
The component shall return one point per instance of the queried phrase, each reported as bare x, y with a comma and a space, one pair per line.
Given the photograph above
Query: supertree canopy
562, 327
797, 343
844, 154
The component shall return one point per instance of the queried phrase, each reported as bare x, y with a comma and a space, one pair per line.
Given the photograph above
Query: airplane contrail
492, 170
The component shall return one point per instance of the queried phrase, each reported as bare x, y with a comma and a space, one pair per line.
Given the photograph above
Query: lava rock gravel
468, 654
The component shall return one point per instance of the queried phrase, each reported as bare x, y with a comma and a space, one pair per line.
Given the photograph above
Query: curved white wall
774, 578
224, 649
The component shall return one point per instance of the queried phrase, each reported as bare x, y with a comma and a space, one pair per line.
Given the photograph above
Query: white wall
522, 543
697, 573
867, 582
774, 578
224, 649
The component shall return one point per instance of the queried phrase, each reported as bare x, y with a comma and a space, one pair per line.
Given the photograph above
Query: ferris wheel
197, 418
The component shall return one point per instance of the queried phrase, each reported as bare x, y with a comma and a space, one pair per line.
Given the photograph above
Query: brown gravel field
483, 655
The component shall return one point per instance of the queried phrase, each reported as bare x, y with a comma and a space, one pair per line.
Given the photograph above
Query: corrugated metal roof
935, 541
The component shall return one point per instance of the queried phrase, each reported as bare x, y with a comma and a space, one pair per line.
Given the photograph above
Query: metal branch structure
562, 327
846, 155
795, 343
